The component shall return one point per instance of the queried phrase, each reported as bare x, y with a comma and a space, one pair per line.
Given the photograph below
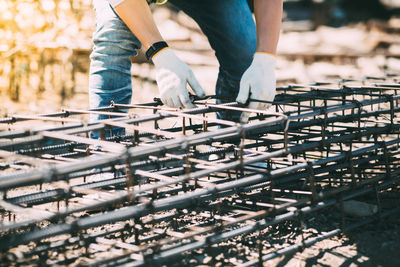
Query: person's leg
231, 31
110, 68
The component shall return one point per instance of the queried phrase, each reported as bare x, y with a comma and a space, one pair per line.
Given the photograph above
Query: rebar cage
182, 183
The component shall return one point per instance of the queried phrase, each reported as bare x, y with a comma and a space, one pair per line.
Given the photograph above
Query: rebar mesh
181, 182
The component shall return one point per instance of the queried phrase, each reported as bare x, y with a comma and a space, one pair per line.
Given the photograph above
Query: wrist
265, 47
155, 48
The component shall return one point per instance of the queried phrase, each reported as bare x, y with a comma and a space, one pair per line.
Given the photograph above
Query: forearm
137, 16
268, 15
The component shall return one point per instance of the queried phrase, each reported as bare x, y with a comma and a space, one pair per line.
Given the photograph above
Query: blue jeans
228, 25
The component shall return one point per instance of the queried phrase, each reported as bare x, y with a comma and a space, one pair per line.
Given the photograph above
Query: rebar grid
182, 182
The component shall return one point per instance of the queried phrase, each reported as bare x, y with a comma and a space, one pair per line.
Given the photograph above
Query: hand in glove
258, 82
172, 75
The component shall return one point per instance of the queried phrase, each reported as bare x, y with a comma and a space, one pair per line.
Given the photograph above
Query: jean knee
240, 55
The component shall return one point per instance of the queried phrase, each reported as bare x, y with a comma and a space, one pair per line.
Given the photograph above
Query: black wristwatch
154, 49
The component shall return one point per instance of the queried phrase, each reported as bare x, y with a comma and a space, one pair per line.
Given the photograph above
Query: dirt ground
375, 244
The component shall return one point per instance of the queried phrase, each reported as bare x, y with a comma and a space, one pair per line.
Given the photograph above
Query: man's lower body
228, 25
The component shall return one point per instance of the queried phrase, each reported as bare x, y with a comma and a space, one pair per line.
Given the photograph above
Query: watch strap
155, 48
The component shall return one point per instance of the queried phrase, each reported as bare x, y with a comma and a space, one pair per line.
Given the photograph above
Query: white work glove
258, 82
172, 75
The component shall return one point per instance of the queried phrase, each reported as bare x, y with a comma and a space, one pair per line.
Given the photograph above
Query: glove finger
185, 100
243, 92
165, 100
244, 118
176, 102
254, 105
263, 106
198, 90
169, 102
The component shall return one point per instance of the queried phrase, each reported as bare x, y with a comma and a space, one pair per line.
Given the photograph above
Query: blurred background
45, 47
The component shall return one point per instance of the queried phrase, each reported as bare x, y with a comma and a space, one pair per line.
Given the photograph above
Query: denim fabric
110, 65
228, 25
231, 31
